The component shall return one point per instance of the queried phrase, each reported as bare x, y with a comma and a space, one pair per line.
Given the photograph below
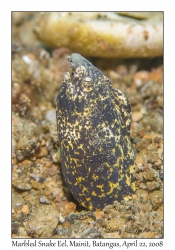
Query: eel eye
79, 72
87, 83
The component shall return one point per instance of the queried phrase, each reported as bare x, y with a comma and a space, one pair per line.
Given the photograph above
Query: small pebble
44, 56
43, 142
141, 77
158, 163
61, 218
15, 227
99, 214
42, 222
152, 185
134, 196
87, 232
51, 116
157, 75
44, 200
36, 185
122, 70
142, 186
56, 157
25, 209
48, 164
27, 59
136, 116
52, 170
17, 202
141, 132
133, 69
136, 139
69, 208
156, 199
66, 224
21, 185
148, 175
113, 75
43, 152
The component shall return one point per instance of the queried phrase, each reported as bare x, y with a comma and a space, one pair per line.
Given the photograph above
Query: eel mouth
71, 64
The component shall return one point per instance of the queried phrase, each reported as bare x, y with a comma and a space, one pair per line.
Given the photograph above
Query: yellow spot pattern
94, 122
